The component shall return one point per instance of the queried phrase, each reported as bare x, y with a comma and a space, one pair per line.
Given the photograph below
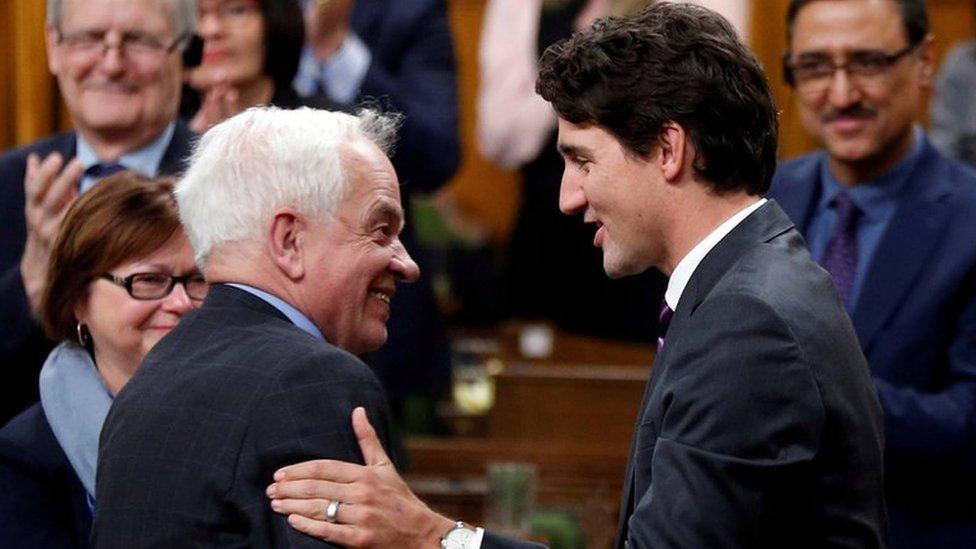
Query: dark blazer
413, 71
759, 426
42, 502
916, 321
23, 346
229, 396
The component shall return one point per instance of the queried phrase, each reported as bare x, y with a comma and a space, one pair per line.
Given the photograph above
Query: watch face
458, 538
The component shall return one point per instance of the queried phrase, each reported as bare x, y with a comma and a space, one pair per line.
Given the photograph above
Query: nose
403, 266
572, 200
178, 301
111, 61
843, 91
208, 24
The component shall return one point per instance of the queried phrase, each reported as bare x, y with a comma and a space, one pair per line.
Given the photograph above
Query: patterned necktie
664, 321
840, 257
98, 171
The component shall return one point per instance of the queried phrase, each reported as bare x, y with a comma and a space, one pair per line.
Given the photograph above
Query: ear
53, 52
674, 151
287, 240
927, 63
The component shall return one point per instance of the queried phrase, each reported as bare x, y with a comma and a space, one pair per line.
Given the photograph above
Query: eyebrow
388, 209
570, 150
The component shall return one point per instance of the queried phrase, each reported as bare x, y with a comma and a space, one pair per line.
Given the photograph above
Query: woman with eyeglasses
121, 276
251, 51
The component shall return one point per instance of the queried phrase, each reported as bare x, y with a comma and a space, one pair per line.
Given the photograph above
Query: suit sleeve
15, 314
743, 416
422, 84
939, 426
495, 541
306, 415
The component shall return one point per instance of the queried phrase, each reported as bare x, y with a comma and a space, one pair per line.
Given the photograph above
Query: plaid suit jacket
230, 395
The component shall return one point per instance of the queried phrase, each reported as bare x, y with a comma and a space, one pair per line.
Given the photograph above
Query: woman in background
121, 276
251, 51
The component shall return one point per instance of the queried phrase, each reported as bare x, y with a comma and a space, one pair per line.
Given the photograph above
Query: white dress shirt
689, 263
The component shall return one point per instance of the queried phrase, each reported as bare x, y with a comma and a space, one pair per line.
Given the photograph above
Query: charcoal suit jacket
759, 426
233, 393
23, 346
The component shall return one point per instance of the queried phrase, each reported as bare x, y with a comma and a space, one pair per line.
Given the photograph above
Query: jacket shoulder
27, 442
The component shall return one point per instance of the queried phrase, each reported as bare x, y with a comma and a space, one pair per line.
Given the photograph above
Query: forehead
369, 175
156, 15
594, 138
848, 25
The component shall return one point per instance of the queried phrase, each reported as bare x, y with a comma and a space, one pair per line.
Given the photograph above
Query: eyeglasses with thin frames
150, 286
133, 45
813, 73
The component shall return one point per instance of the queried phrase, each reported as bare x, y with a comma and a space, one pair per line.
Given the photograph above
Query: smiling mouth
384, 297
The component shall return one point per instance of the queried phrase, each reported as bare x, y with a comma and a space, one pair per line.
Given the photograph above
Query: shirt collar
689, 263
294, 315
145, 159
872, 197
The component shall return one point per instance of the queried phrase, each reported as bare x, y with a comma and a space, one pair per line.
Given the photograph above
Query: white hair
184, 16
267, 158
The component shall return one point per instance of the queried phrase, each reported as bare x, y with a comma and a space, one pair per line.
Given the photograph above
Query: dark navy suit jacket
233, 393
42, 502
413, 71
916, 322
23, 346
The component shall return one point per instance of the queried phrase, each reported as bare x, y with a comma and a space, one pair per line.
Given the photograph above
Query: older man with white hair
119, 69
295, 217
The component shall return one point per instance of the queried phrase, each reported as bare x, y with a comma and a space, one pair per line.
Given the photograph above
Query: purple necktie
664, 321
840, 257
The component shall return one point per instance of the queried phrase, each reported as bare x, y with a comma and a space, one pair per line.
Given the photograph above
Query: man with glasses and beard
891, 219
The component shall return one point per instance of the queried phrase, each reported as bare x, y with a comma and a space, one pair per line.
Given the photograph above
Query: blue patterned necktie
840, 257
664, 322
100, 170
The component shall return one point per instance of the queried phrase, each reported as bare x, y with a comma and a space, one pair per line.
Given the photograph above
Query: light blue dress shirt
877, 201
144, 160
293, 314
341, 76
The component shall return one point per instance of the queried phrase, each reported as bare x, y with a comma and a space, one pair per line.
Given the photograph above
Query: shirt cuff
341, 76
479, 534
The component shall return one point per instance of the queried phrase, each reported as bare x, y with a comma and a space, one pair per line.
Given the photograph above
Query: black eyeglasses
815, 71
149, 286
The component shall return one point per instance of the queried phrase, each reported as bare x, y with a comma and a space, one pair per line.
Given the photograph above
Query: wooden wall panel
35, 108
6, 82
481, 193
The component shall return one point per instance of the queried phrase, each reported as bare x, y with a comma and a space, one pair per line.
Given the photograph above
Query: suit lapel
178, 150
904, 248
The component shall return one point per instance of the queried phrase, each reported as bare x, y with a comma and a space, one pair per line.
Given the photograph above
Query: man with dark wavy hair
759, 426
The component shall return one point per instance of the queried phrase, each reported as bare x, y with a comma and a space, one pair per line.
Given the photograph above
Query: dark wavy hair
913, 15
677, 63
284, 36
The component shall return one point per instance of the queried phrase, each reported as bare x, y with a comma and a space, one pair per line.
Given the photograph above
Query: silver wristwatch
458, 537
